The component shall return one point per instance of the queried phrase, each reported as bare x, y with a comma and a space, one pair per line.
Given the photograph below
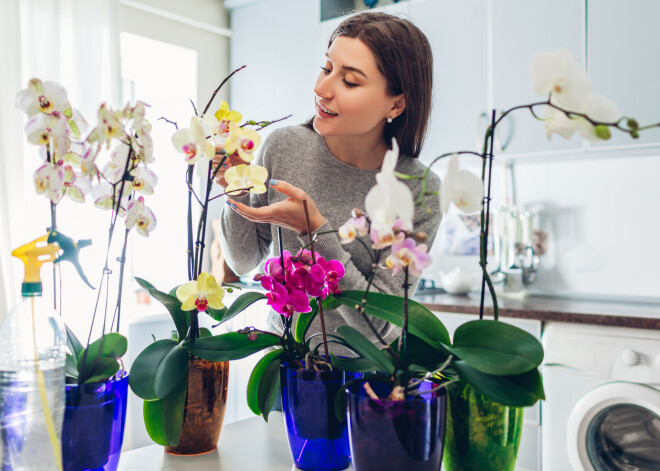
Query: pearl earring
389, 120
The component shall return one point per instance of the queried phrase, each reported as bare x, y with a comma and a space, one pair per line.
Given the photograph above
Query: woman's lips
324, 114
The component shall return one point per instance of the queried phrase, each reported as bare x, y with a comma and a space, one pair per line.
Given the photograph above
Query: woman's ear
398, 107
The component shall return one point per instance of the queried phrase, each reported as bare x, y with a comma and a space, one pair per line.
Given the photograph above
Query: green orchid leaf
303, 322
75, 347
241, 303
330, 303
268, 387
181, 319
71, 367
92, 360
421, 322
204, 332
170, 371
158, 369
512, 390
164, 418
497, 348
104, 369
257, 375
216, 314
365, 348
421, 353
231, 346
357, 365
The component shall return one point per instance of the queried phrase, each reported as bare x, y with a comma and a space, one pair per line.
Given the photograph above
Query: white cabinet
624, 66
521, 29
457, 32
529, 454
276, 39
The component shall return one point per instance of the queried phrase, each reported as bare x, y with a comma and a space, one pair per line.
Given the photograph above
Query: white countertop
246, 445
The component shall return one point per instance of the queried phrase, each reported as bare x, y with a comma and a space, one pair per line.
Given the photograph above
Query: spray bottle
32, 363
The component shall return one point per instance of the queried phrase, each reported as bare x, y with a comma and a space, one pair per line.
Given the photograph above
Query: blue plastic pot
388, 434
93, 429
317, 439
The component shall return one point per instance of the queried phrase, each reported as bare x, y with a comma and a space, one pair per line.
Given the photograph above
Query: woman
375, 84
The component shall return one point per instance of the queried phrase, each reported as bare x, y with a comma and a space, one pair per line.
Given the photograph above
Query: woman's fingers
288, 189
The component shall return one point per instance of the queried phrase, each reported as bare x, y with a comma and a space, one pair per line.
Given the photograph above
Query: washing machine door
615, 427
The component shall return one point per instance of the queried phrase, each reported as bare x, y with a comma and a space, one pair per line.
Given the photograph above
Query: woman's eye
325, 70
350, 84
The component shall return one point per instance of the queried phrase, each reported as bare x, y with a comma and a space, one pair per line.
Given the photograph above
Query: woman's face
351, 94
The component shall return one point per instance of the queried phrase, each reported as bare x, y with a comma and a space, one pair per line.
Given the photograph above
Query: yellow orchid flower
244, 140
200, 294
224, 114
241, 177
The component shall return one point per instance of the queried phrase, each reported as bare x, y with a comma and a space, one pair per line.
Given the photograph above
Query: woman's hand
289, 213
229, 162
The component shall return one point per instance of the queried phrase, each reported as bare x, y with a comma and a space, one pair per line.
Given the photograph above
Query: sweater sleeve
427, 219
245, 244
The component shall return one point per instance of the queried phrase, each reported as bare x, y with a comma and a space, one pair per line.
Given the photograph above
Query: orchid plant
71, 167
160, 371
499, 360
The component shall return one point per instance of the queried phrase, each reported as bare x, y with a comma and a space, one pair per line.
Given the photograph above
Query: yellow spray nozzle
34, 254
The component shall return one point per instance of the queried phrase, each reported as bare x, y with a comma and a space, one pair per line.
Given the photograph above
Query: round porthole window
615, 427
624, 437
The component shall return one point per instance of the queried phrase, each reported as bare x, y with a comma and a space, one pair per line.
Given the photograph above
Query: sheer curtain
73, 42
11, 148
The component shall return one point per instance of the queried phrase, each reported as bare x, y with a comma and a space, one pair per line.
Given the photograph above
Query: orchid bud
421, 237
252, 336
603, 132
632, 123
257, 277
357, 212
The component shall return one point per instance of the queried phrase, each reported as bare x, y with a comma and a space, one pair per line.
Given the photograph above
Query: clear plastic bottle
32, 362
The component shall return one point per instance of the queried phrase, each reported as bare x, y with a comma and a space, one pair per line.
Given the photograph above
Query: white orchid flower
246, 176
114, 170
558, 74
105, 198
41, 128
75, 187
144, 180
192, 142
109, 127
556, 122
461, 187
352, 228
88, 167
390, 198
42, 97
599, 109
49, 181
140, 216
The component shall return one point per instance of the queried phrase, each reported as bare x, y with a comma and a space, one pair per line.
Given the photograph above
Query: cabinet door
276, 40
520, 29
457, 32
297, 61
624, 66
252, 89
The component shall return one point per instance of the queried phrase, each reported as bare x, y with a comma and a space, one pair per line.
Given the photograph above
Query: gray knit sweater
299, 156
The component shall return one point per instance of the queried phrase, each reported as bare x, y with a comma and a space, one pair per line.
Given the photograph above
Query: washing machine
602, 408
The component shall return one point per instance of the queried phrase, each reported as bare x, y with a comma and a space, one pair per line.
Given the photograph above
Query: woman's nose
323, 87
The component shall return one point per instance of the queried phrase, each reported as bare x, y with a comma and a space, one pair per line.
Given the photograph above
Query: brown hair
404, 57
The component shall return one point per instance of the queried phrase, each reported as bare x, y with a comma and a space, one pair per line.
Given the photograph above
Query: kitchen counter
550, 309
246, 445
